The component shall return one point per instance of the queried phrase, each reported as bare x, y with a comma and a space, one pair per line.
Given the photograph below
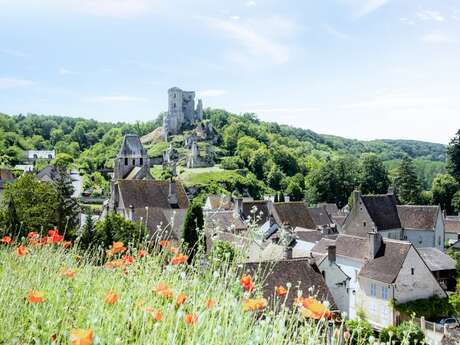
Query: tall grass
79, 302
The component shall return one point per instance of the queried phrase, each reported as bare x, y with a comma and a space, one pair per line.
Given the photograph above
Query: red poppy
33, 235
210, 304
142, 253
81, 336
67, 244
163, 290
21, 251
312, 308
36, 297
191, 319
181, 299
6, 240
254, 304
68, 273
128, 259
247, 283
117, 247
280, 291
179, 259
111, 298
164, 243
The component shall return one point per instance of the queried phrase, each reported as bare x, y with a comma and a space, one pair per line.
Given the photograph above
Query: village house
366, 274
6, 176
452, 228
423, 226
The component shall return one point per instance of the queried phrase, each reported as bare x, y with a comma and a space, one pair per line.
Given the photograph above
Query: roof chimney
238, 205
375, 242
356, 196
332, 253
172, 195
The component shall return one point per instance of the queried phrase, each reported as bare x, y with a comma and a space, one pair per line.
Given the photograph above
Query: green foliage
360, 330
430, 308
67, 209
193, 228
456, 202
373, 176
87, 235
32, 203
231, 163
406, 183
443, 189
222, 251
406, 333
453, 154
63, 160
333, 182
114, 228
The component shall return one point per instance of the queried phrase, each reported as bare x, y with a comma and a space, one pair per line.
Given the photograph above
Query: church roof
131, 146
382, 209
418, 217
142, 193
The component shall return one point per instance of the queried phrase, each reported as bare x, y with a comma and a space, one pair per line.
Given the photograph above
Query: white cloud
283, 110
235, 17
11, 83
65, 71
13, 52
430, 15
109, 99
437, 38
332, 31
251, 3
361, 8
260, 38
211, 93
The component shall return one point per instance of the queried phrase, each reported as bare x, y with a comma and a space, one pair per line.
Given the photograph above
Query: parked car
450, 322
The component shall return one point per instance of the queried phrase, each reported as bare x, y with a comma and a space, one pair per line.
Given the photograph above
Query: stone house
452, 228
423, 226
132, 161
368, 273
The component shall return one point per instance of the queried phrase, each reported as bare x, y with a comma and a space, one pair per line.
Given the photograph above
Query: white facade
338, 283
41, 154
422, 238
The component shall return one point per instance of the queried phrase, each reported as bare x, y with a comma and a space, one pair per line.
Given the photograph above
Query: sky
362, 69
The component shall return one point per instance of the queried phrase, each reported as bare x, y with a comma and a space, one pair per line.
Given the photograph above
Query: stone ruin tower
181, 111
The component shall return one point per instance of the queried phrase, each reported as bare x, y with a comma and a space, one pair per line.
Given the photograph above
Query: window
373, 289
174, 106
126, 161
364, 224
134, 162
373, 308
324, 274
412, 270
384, 292
141, 161
439, 240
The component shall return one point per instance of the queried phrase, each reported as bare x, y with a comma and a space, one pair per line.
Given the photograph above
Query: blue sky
356, 68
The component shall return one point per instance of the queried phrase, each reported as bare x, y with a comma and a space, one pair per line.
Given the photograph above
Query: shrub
231, 163
360, 330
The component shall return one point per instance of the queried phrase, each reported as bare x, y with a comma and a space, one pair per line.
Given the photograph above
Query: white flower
288, 285
216, 274
183, 275
299, 293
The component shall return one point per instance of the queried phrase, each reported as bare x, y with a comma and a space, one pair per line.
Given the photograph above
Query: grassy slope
203, 176
80, 303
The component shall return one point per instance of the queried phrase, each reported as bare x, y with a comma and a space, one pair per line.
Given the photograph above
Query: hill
260, 157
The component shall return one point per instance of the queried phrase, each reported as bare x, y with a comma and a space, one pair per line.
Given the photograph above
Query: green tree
275, 177
453, 157
34, 203
373, 176
456, 202
67, 209
443, 189
63, 160
406, 182
113, 228
88, 230
12, 220
193, 226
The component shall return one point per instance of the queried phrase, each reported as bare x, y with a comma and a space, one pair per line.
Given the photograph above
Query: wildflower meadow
53, 293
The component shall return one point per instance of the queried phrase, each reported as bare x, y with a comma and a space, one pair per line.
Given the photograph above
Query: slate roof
349, 246
452, 226
6, 174
298, 272
308, 235
294, 213
339, 220
142, 193
418, 217
162, 223
331, 208
48, 172
388, 262
132, 147
262, 214
436, 260
319, 216
227, 221
382, 209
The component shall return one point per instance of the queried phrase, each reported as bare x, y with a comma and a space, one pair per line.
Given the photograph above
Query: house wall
351, 268
376, 307
394, 234
420, 238
337, 282
422, 284
452, 237
440, 232
358, 222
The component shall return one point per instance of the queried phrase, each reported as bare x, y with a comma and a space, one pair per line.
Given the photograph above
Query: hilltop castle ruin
181, 111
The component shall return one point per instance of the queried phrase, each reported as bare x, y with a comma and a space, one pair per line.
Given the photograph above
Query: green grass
203, 176
80, 303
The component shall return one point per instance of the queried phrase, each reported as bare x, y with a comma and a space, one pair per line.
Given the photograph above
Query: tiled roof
349, 246
308, 235
221, 202
436, 260
319, 216
452, 226
298, 272
382, 209
227, 221
262, 210
388, 262
294, 213
142, 193
331, 208
418, 217
6, 174
162, 223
